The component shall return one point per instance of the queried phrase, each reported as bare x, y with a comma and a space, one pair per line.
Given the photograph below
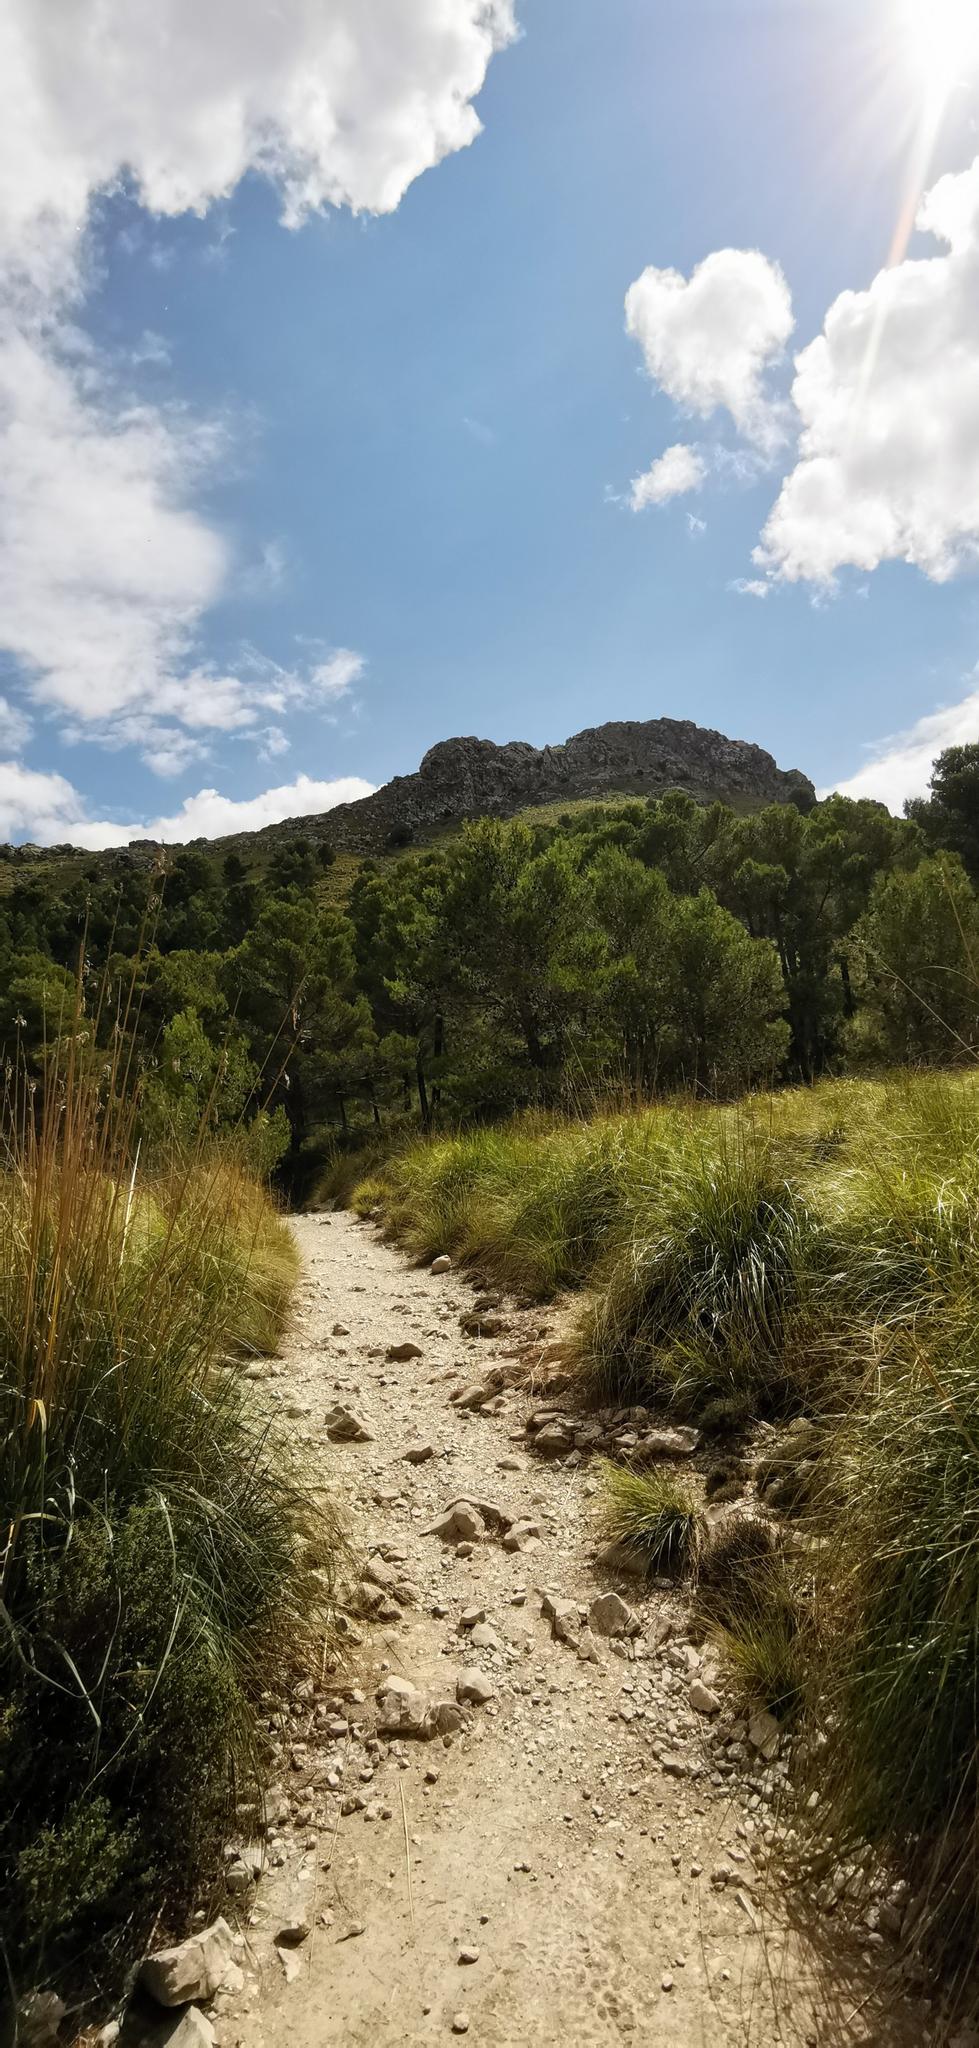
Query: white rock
702, 1700
610, 1615
442, 1264
764, 1734
476, 1687
344, 1427
192, 1969
193, 2030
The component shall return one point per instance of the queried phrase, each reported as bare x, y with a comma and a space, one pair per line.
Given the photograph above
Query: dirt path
586, 1865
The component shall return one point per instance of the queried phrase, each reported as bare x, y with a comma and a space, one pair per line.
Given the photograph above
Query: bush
152, 1570
653, 1515
746, 1599
896, 1660
710, 1301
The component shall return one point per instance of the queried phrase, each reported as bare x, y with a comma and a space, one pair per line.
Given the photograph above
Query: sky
375, 371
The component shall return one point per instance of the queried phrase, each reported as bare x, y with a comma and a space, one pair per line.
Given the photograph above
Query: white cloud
337, 102
15, 728
678, 470
901, 765
35, 805
709, 339
107, 568
336, 676
888, 397
749, 586
48, 809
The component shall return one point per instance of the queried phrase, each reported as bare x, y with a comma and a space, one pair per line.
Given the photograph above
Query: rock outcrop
472, 778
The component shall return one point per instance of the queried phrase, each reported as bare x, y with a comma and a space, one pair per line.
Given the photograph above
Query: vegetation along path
565, 1852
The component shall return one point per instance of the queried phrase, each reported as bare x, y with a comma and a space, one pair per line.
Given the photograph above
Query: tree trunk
438, 1048
424, 1105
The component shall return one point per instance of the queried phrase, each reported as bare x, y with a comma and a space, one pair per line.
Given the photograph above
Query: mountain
472, 778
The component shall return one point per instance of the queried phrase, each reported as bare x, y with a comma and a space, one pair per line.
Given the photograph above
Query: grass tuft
653, 1515
153, 1563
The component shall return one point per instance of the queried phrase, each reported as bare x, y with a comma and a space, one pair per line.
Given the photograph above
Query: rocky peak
469, 777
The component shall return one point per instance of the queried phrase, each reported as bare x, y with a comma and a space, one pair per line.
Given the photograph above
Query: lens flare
943, 42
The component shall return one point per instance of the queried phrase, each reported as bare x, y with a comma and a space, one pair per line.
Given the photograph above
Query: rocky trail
522, 1810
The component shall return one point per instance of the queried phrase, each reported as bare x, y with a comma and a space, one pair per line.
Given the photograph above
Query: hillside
469, 778
466, 778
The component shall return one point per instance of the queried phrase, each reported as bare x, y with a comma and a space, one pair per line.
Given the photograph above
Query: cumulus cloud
900, 766
108, 566
679, 469
708, 340
105, 568
337, 102
888, 399
48, 809
749, 586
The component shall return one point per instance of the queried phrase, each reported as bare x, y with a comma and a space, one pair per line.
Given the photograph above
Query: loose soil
585, 1840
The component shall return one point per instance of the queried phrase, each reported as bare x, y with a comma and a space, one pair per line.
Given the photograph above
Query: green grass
653, 1515
746, 1599
812, 1255
154, 1574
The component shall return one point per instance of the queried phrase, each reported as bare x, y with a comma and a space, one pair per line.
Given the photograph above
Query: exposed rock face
470, 778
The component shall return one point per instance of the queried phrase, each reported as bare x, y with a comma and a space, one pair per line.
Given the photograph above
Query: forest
622, 951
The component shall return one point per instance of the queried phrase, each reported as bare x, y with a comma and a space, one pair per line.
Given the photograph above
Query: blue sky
283, 505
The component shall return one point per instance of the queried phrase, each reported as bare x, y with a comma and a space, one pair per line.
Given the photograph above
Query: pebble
702, 1699
469, 1955
460, 2023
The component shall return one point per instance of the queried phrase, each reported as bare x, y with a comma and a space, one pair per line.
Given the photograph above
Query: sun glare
943, 40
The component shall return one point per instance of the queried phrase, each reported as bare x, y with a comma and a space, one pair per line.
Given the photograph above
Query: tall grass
809, 1253
151, 1537
702, 1299
894, 1669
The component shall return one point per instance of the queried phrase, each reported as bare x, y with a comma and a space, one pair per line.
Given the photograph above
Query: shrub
152, 1564
653, 1515
746, 1599
710, 1301
897, 1656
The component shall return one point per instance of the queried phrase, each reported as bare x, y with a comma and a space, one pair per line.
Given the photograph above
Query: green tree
916, 958
726, 1029
292, 986
949, 818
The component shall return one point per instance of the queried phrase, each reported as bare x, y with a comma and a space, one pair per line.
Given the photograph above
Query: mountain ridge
467, 777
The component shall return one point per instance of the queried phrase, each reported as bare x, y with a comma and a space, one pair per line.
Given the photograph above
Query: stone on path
764, 1734
702, 1699
610, 1615
442, 1263
399, 1354
564, 1618
190, 1970
193, 2030
475, 1687
553, 1440
459, 1524
418, 1454
667, 1443
522, 1536
344, 1427
484, 1637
